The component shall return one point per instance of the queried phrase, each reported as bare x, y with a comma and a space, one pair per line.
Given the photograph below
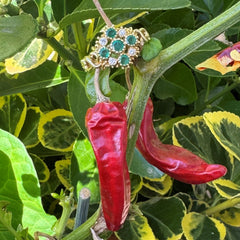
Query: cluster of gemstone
116, 47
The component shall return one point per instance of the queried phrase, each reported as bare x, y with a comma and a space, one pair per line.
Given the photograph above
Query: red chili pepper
175, 161
107, 129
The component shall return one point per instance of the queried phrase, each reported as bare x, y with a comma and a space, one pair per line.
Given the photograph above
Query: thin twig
127, 77
102, 13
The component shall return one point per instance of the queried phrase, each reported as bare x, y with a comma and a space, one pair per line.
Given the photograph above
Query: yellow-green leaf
199, 206
227, 188
230, 216
225, 126
161, 185
13, 110
165, 216
136, 227
63, 172
36, 53
41, 168
29, 133
193, 134
57, 130
198, 227
136, 185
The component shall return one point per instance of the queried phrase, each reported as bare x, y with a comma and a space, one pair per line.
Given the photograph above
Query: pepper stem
100, 96
127, 77
102, 13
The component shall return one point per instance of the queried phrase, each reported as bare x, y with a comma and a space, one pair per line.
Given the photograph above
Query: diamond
132, 51
118, 45
112, 61
111, 32
124, 60
103, 41
104, 52
131, 40
122, 32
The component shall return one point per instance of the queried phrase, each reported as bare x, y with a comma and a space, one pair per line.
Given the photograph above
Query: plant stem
100, 96
146, 74
82, 207
63, 52
67, 203
83, 232
224, 205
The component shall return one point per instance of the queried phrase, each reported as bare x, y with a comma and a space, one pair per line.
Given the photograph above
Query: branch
146, 74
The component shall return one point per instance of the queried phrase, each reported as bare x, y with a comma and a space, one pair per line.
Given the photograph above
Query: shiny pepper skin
107, 128
175, 161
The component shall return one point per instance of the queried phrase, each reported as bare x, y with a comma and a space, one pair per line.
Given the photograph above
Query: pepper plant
45, 154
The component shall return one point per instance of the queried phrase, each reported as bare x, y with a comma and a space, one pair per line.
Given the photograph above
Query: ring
116, 47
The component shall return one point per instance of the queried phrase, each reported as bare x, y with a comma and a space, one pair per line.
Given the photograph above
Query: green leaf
186, 198
193, 134
170, 36
197, 226
212, 7
84, 172
29, 131
14, 35
225, 127
233, 233
178, 83
164, 216
183, 18
103, 82
13, 110
62, 7
41, 168
57, 130
76, 95
136, 227
151, 49
142, 168
87, 10
118, 92
20, 187
47, 75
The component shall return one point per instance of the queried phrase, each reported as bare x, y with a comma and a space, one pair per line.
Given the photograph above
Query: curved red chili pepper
107, 129
175, 161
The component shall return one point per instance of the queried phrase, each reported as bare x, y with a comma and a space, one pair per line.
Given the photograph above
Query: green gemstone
131, 40
118, 45
104, 52
111, 32
124, 60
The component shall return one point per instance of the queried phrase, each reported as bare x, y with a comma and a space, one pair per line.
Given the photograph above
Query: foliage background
44, 98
